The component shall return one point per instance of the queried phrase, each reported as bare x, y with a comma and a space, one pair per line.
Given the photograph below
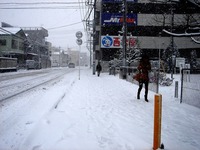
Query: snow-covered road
20, 82
19, 114
95, 113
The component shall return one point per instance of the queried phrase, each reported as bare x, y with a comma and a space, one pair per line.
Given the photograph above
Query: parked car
71, 65
32, 64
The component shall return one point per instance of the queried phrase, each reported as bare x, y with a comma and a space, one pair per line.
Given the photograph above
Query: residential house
12, 43
27, 43
37, 48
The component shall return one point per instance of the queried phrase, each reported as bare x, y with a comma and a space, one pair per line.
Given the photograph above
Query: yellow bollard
157, 121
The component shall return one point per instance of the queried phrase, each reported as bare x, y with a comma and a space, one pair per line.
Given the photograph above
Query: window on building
3, 42
21, 45
14, 44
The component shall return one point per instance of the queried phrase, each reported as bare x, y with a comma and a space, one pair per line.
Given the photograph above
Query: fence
190, 87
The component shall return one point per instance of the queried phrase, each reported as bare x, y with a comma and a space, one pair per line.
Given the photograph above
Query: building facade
146, 22
36, 47
12, 44
25, 44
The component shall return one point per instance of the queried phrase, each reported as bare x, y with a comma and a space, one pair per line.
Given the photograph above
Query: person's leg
146, 91
139, 90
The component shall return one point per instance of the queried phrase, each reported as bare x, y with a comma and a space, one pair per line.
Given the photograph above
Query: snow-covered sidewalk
102, 113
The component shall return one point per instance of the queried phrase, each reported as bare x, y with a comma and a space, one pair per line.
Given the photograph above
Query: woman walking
144, 67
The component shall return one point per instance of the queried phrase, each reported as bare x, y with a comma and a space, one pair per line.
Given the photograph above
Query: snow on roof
9, 30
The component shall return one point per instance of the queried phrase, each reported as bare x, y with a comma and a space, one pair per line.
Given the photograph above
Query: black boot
138, 96
145, 98
138, 93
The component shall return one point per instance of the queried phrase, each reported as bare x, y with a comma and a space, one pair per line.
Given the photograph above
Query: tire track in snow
63, 96
45, 121
18, 126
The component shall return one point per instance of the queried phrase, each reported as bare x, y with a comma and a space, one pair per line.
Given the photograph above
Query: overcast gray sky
62, 24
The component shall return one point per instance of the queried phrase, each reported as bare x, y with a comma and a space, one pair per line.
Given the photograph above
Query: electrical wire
42, 5
8, 32
48, 5
62, 7
81, 14
36, 3
64, 26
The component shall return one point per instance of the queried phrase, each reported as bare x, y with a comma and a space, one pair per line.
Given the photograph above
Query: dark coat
144, 67
98, 68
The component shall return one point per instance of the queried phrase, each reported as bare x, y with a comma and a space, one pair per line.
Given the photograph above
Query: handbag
137, 76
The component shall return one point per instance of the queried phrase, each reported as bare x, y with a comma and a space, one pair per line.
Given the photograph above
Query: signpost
79, 34
79, 41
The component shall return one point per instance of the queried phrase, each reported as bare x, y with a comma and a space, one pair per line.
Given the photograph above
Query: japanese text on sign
116, 41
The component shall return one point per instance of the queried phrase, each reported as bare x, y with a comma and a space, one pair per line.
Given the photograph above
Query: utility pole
94, 38
124, 30
90, 50
172, 40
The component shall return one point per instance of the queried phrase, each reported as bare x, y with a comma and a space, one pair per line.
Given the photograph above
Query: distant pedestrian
144, 67
98, 69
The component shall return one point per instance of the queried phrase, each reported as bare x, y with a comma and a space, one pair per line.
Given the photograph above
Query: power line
8, 32
42, 5
81, 13
36, 3
62, 7
64, 26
